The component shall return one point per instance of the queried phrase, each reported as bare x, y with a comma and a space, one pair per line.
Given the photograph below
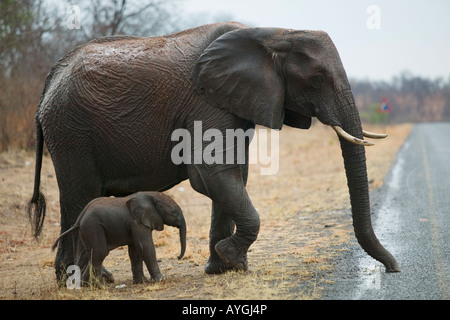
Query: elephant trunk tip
392, 267
379, 253
182, 239
183, 249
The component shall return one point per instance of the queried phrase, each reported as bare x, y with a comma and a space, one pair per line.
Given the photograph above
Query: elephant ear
143, 211
238, 73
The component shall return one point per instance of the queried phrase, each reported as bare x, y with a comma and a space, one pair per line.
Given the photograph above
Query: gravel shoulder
411, 218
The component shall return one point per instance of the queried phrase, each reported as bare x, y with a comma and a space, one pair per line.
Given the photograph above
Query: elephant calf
107, 223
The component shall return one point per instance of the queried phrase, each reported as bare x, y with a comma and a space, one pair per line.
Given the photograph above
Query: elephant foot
140, 279
157, 278
234, 257
107, 276
217, 266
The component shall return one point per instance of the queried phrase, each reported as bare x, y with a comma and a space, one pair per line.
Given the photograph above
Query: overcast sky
403, 35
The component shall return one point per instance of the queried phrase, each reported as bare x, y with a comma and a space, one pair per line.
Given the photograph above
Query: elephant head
274, 76
154, 209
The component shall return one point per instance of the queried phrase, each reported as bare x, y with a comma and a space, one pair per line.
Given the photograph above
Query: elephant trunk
182, 228
356, 171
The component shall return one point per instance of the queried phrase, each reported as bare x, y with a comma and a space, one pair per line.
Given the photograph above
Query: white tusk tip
372, 135
341, 132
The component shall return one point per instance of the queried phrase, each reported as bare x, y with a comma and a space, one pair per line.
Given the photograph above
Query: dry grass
305, 224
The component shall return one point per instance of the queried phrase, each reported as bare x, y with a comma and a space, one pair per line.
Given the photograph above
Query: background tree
413, 98
141, 18
25, 26
34, 34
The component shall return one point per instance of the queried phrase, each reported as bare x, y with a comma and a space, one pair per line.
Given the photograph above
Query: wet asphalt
411, 218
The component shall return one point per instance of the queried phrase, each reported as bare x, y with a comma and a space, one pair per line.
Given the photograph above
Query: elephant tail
62, 235
37, 205
74, 227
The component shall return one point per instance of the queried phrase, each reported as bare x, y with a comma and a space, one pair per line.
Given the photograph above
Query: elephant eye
317, 81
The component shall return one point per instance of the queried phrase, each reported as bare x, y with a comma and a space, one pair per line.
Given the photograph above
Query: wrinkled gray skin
107, 223
110, 106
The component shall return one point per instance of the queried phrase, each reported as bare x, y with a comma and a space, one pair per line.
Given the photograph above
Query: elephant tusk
341, 132
372, 135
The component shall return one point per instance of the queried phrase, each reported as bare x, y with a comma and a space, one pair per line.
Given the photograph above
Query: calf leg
136, 264
94, 240
144, 250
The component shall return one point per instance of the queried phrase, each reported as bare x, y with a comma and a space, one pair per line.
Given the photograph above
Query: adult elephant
109, 108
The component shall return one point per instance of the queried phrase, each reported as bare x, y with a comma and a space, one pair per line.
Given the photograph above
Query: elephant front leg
222, 227
149, 256
233, 250
136, 264
226, 188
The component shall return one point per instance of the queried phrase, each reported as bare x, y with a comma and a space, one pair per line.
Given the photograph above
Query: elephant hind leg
96, 249
92, 275
77, 186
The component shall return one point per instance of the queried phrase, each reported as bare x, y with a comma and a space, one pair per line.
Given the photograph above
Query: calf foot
107, 276
157, 278
139, 279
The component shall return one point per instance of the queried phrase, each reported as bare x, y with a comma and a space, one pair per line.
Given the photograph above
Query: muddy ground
305, 225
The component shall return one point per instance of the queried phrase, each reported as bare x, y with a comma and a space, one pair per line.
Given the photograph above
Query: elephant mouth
342, 133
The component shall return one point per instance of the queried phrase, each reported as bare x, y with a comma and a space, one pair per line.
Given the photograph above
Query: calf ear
238, 72
143, 211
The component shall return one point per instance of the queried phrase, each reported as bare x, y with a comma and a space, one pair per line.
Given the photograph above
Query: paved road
411, 216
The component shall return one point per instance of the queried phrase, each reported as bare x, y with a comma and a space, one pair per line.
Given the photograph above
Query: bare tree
114, 17
35, 33
26, 29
